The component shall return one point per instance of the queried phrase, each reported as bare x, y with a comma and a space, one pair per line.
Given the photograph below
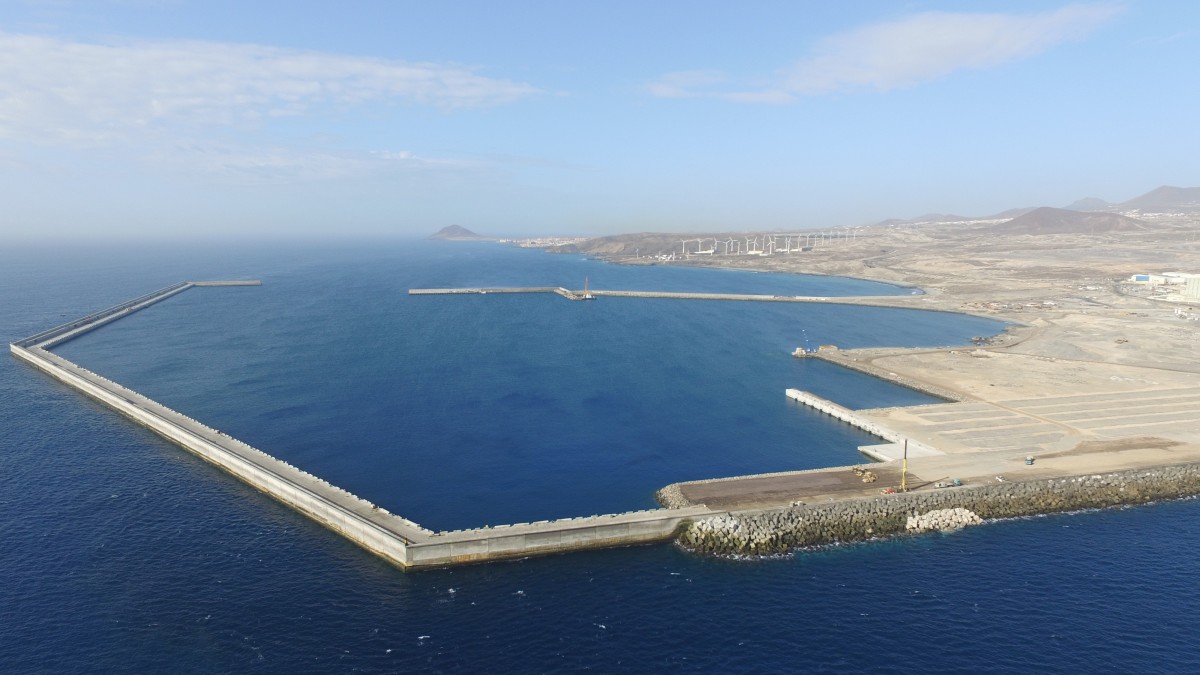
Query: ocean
121, 552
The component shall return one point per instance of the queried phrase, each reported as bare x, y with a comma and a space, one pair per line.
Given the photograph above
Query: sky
174, 118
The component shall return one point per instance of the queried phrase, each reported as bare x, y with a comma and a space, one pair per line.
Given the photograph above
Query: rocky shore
779, 531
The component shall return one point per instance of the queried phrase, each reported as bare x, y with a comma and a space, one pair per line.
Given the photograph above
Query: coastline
1075, 380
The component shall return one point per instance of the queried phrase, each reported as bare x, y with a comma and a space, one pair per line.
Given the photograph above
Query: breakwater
734, 528
557, 290
592, 293
393, 537
522, 540
366, 524
772, 532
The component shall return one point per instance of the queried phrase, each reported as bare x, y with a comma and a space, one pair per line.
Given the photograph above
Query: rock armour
942, 519
779, 531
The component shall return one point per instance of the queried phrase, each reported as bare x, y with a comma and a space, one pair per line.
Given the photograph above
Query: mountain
1047, 220
1088, 204
1165, 198
456, 233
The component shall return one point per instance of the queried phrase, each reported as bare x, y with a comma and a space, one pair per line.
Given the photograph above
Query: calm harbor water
123, 553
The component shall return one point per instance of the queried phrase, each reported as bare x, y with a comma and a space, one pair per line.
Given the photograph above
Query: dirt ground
1096, 374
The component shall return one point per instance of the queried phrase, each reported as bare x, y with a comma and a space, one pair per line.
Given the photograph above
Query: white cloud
56, 90
902, 53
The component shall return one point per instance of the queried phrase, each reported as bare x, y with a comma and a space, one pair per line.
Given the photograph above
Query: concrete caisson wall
277, 479
397, 539
73, 329
549, 537
390, 536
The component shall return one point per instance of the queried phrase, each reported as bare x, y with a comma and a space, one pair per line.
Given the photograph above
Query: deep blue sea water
121, 552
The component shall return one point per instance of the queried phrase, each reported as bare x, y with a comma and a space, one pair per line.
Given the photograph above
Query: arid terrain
1095, 373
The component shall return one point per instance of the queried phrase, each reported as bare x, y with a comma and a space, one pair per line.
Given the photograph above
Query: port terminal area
969, 440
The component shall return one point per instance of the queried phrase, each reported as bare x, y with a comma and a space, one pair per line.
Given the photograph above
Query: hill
1011, 213
456, 233
1047, 220
1165, 198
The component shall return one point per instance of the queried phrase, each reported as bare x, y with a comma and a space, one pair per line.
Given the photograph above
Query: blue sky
175, 118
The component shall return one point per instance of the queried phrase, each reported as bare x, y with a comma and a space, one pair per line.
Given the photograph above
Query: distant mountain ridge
456, 233
1164, 199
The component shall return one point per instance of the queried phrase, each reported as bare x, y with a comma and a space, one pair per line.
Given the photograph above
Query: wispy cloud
58, 90
686, 83
221, 163
901, 53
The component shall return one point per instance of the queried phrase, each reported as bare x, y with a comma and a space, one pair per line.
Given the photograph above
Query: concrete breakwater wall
388, 535
59, 334
779, 531
360, 521
72, 329
548, 537
579, 295
393, 537
558, 290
